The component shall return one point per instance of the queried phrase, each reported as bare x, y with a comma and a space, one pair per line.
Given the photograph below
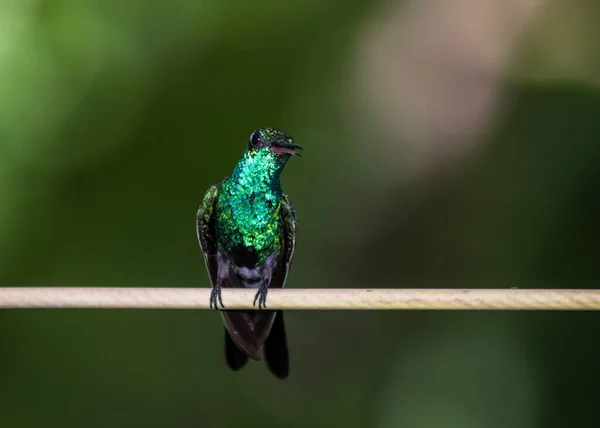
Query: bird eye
255, 139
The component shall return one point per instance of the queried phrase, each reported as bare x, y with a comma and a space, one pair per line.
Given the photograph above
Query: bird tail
235, 358
276, 350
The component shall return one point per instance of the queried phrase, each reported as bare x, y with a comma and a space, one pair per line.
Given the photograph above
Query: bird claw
261, 296
215, 298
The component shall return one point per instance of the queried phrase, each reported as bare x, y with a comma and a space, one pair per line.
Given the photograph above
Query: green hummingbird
246, 227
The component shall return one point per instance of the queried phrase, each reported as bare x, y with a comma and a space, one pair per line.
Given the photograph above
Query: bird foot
261, 296
215, 298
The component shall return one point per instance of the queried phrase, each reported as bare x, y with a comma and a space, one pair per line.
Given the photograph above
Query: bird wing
288, 221
206, 230
207, 236
276, 350
250, 329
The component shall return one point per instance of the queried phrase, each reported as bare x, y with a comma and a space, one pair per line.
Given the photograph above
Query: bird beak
281, 148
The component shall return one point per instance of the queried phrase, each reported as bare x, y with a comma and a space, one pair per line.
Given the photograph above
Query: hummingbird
246, 227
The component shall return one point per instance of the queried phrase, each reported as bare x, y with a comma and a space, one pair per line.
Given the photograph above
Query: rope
318, 299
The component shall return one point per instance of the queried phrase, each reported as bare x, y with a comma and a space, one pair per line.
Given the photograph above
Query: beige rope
318, 298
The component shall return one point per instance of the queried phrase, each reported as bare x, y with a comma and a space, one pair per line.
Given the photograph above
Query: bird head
275, 141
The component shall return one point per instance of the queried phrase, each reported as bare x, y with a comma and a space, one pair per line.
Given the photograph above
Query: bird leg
222, 271
267, 272
261, 296
215, 297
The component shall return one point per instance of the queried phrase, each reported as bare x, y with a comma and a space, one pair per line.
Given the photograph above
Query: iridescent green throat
248, 204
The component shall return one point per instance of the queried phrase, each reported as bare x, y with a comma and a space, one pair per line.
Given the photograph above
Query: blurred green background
447, 144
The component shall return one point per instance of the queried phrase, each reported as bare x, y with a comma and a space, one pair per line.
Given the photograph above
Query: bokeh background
447, 144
